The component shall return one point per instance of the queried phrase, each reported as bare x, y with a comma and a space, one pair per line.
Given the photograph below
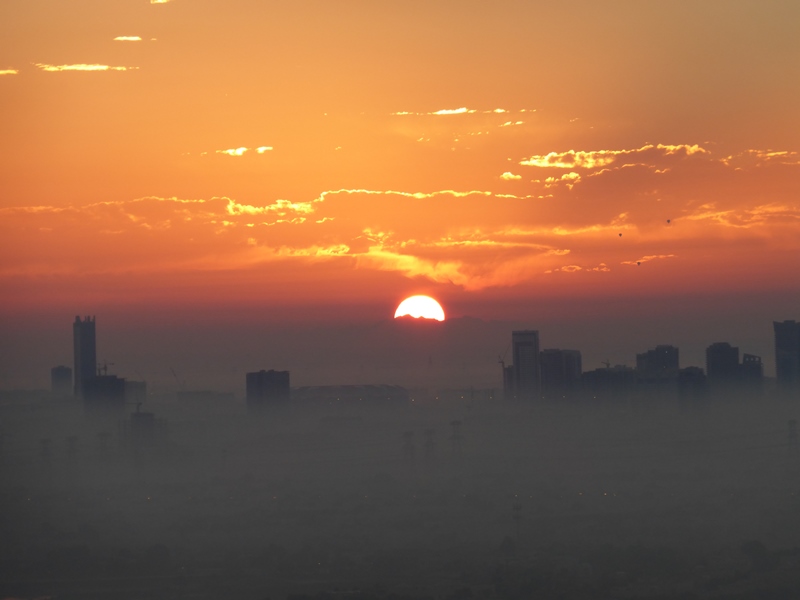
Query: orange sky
197, 153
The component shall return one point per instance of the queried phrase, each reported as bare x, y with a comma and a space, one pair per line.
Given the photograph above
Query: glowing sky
326, 154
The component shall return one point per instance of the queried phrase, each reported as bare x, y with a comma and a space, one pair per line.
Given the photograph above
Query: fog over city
558, 481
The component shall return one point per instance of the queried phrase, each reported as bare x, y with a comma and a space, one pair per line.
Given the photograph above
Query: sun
420, 306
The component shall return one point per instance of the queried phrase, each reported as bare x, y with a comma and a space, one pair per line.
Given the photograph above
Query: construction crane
502, 359
104, 369
181, 385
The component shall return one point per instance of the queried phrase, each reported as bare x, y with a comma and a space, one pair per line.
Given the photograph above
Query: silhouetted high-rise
787, 352
527, 370
84, 352
660, 363
266, 388
722, 363
752, 369
560, 370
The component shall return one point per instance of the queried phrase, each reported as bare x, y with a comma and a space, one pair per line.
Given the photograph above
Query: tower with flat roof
267, 388
84, 352
527, 370
787, 353
722, 363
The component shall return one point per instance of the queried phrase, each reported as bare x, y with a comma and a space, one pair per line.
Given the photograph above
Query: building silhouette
658, 364
104, 392
267, 388
787, 353
609, 383
560, 371
527, 369
752, 369
84, 353
61, 381
722, 363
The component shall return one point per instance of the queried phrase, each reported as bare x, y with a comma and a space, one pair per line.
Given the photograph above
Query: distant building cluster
89, 382
556, 374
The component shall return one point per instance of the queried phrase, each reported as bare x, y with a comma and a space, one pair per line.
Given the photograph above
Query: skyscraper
722, 363
267, 388
85, 353
560, 370
659, 364
527, 371
787, 353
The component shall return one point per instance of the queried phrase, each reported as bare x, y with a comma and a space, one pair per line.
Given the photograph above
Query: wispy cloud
785, 157
243, 149
647, 258
233, 151
463, 110
8, 71
509, 176
81, 67
572, 159
127, 38
570, 179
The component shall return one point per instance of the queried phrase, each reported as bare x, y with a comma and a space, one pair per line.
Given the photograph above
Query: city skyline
529, 370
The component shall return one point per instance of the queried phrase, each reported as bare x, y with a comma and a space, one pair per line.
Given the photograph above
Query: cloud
281, 207
81, 67
570, 179
8, 71
509, 176
601, 268
747, 218
127, 38
453, 111
593, 159
233, 151
647, 258
242, 149
755, 157
472, 238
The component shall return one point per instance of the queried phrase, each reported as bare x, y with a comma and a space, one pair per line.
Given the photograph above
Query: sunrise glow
420, 307
252, 159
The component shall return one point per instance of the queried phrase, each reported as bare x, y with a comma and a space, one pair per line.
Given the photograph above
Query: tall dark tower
85, 352
527, 372
787, 353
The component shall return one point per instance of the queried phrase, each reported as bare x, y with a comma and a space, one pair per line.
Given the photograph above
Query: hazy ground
641, 500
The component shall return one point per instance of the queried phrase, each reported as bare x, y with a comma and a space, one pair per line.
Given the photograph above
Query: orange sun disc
420, 306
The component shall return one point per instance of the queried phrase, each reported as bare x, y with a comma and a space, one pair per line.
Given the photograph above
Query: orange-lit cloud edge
614, 210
